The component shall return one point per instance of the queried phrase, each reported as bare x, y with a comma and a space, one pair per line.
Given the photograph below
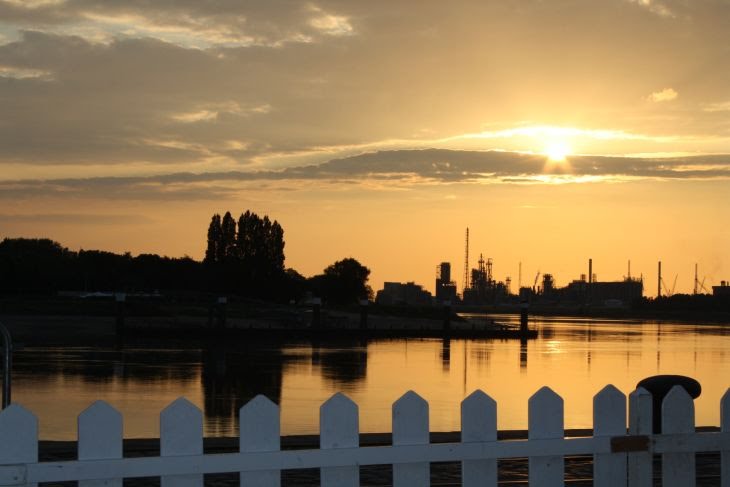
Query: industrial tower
466, 264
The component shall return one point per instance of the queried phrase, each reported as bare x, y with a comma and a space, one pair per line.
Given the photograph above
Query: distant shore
55, 320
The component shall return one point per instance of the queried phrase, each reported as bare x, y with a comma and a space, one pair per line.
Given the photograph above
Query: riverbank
512, 472
691, 316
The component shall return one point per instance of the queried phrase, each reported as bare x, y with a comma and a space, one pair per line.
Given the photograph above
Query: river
575, 357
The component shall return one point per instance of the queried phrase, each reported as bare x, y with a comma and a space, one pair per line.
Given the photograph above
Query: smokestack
659, 282
590, 271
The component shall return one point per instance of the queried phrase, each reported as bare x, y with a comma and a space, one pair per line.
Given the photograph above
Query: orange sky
376, 131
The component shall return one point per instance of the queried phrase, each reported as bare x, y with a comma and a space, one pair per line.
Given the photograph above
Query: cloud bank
382, 169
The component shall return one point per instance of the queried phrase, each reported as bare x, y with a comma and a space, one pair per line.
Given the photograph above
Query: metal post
524, 306
7, 364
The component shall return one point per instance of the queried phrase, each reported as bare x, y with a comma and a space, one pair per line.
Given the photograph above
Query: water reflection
575, 358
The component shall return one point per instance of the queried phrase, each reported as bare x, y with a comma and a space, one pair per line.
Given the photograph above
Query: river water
575, 357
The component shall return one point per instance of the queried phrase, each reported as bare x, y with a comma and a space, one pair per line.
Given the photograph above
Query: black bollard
120, 299
523, 316
659, 386
364, 314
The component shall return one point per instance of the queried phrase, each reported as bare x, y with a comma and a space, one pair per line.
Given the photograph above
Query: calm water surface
574, 357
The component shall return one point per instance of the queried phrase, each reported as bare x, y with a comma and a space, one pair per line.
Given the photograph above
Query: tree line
243, 257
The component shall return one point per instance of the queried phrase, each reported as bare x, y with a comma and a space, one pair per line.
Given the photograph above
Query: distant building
445, 287
625, 291
722, 291
399, 293
611, 293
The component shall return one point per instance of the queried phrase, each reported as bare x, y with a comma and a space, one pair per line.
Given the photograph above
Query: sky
556, 130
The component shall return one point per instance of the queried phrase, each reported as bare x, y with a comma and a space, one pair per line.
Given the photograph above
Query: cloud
656, 7
213, 110
717, 107
74, 219
90, 82
187, 23
23, 73
383, 170
667, 94
334, 25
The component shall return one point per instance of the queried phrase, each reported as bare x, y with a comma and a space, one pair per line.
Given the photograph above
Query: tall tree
228, 237
214, 240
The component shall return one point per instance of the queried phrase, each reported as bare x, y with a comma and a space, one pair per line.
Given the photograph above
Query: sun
557, 151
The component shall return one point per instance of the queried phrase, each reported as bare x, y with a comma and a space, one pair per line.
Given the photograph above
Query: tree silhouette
344, 282
228, 238
212, 252
246, 257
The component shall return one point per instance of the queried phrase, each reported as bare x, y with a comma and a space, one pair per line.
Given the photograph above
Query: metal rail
7, 364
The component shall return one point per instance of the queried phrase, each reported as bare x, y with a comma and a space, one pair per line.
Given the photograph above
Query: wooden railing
620, 457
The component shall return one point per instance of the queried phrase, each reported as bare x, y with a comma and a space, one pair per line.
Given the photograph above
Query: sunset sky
556, 130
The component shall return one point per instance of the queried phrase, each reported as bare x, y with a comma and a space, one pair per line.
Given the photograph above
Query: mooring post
524, 306
120, 300
364, 314
7, 365
447, 315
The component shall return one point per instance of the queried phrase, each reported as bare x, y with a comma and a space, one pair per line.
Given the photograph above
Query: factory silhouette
481, 288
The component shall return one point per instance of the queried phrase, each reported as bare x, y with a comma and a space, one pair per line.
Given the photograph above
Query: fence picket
182, 463
260, 430
545, 420
18, 436
478, 424
100, 437
609, 419
339, 428
640, 423
181, 433
725, 428
678, 416
410, 427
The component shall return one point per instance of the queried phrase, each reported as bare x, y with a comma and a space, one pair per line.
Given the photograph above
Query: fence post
181, 433
21, 426
609, 419
478, 424
260, 430
339, 428
100, 438
678, 416
7, 365
725, 428
640, 423
410, 427
545, 421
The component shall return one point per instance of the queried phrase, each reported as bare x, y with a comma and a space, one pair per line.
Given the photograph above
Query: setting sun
557, 151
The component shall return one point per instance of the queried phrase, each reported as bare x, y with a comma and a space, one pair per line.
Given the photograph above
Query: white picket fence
620, 458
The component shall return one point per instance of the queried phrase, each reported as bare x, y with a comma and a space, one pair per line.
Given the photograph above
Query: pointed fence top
479, 397
180, 407
410, 398
338, 400
545, 394
100, 408
259, 402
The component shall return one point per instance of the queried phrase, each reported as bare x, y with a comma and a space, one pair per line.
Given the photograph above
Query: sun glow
557, 151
